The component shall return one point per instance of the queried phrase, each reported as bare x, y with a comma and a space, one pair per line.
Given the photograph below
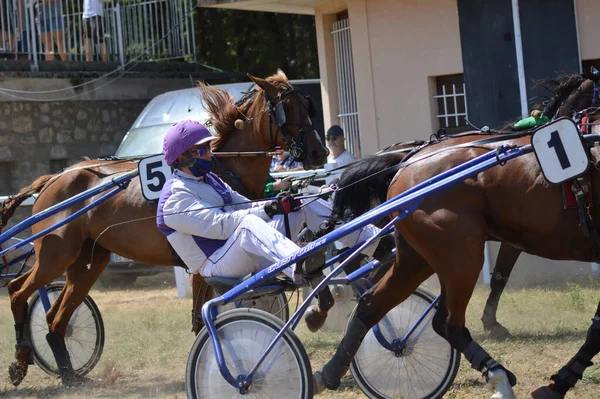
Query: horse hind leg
395, 286
79, 281
53, 258
572, 372
452, 241
458, 275
507, 257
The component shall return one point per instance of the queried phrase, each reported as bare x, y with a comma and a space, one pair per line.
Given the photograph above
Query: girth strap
581, 188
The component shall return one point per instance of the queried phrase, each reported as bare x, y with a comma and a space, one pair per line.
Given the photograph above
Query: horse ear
282, 75
266, 86
594, 74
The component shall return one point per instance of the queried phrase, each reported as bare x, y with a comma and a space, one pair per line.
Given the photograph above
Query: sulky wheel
245, 334
84, 339
424, 369
275, 304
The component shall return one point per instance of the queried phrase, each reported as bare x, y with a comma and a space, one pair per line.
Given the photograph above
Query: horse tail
8, 207
363, 185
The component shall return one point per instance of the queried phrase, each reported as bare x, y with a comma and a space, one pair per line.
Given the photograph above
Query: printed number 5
152, 174
556, 143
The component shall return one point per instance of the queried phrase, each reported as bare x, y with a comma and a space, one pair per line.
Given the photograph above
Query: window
451, 102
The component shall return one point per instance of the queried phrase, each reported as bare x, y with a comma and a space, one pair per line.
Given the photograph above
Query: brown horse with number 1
273, 114
569, 93
512, 203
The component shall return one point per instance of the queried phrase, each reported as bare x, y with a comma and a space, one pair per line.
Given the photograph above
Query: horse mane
224, 111
559, 88
362, 185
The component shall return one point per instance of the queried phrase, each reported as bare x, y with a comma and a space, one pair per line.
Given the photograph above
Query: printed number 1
556, 143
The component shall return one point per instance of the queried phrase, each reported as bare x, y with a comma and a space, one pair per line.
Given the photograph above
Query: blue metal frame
404, 204
120, 182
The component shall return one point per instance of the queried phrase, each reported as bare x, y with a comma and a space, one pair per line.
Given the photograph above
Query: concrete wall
32, 135
37, 137
397, 48
588, 15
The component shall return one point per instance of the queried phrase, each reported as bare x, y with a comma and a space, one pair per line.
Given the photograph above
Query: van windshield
143, 141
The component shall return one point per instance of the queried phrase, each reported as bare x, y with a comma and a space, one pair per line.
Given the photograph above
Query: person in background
337, 147
50, 24
7, 40
283, 162
23, 27
93, 26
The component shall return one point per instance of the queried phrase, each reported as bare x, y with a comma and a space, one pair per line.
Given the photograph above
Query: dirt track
147, 340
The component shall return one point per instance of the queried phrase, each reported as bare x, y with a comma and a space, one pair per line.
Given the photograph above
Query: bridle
276, 110
296, 146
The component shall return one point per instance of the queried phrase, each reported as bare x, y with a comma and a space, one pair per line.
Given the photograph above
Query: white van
146, 135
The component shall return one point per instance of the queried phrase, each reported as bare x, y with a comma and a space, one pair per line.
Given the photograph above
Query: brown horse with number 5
273, 114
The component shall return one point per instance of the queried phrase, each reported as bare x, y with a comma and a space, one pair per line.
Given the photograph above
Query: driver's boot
316, 315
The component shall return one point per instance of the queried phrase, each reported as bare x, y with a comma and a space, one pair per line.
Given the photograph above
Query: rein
406, 162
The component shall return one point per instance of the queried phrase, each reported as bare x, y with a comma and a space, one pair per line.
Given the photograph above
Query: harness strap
233, 178
581, 189
286, 222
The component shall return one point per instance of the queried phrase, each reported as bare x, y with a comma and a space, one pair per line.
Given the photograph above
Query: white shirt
343, 159
190, 211
92, 8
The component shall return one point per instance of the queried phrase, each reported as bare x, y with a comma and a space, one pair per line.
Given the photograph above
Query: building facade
398, 70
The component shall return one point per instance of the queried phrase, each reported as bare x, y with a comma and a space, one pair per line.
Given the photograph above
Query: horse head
284, 120
571, 93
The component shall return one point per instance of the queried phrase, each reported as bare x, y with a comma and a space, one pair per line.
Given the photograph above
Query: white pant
257, 244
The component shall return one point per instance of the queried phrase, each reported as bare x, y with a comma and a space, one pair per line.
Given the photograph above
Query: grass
148, 337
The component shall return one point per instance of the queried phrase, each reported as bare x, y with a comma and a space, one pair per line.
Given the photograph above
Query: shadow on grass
530, 337
157, 387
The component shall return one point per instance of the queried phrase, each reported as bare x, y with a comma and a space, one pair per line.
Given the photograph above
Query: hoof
17, 371
318, 384
315, 318
546, 393
498, 383
498, 331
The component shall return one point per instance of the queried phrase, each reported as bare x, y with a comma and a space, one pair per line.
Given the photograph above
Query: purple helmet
182, 136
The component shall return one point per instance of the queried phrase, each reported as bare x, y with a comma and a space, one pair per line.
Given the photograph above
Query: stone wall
40, 138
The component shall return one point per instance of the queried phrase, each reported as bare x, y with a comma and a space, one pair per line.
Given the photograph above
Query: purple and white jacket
188, 217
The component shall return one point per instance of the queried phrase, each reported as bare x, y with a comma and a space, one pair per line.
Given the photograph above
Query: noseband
295, 146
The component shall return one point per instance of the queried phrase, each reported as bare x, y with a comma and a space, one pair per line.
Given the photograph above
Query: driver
218, 232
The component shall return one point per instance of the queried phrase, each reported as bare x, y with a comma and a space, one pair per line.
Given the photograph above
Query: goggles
202, 151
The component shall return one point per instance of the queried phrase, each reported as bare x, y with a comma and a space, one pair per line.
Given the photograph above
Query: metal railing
112, 30
348, 112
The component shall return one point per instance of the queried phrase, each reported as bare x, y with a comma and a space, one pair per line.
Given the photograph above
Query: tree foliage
257, 42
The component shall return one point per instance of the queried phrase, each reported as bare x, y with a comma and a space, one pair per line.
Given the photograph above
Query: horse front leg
397, 285
572, 372
79, 281
507, 257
